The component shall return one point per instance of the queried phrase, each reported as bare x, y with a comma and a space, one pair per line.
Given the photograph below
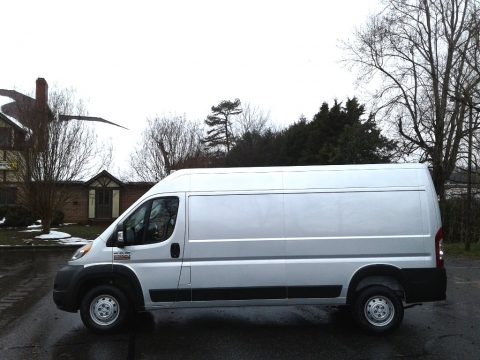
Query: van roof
294, 177
299, 168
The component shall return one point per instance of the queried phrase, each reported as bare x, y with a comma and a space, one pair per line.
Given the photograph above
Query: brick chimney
41, 94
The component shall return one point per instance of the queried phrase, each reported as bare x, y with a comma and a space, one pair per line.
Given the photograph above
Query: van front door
154, 235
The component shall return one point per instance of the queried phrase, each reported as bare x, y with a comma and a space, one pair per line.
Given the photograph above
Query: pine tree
220, 124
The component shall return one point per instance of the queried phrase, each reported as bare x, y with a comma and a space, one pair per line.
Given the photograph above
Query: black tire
378, 310
104, 309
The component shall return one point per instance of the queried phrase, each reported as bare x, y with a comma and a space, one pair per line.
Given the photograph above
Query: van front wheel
104, 309
378, 309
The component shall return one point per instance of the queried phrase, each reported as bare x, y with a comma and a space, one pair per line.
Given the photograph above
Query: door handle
175, 250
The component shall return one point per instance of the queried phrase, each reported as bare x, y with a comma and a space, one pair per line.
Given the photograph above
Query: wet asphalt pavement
32, 328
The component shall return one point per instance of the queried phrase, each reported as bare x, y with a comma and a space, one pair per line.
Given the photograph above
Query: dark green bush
58, 217
3, 211
16, 216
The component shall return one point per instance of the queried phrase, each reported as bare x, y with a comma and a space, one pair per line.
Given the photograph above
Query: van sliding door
236, 247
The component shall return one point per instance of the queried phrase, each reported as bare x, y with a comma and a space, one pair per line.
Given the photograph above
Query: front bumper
64, 287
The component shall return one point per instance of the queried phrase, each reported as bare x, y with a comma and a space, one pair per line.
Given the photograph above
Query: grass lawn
459, 249
17, 236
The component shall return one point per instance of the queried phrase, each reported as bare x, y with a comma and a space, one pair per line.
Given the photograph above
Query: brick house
13, 139
101, 198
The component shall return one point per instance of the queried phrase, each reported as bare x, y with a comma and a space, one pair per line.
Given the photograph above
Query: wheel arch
380, 274
116, 275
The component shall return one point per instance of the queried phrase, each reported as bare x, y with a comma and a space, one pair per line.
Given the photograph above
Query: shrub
16, 216
3, 211
58, 217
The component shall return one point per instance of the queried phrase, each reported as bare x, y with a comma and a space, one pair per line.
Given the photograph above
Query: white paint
115, 203
91, 203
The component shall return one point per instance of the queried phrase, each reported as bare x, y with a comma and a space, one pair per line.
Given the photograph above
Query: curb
39, 247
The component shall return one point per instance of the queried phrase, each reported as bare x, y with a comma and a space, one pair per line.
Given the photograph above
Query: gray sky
130, 60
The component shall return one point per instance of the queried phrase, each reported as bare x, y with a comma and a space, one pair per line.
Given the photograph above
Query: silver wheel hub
104, 310
379, 310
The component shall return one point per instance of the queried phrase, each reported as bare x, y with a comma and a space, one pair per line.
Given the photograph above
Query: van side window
152, 222
135, 225
162, 219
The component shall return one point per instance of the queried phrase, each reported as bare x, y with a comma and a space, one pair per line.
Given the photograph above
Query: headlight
82, 251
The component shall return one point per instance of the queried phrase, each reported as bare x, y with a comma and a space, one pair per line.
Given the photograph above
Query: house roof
6, 101
17, 109
104, 173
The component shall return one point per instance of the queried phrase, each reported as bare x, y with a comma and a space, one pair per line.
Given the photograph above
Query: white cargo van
368, 236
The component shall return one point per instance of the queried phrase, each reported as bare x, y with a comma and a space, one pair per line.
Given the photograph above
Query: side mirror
120, 240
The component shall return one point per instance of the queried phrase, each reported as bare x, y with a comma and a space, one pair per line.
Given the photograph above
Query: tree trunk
46, 223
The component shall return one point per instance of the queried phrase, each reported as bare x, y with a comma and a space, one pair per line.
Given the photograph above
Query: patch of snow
36, 224
66, 224
2, 221
74, 241
53, 235
30, 230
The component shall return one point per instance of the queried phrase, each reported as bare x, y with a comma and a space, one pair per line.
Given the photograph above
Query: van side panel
330, 235
235, 242
326, 178
258, 180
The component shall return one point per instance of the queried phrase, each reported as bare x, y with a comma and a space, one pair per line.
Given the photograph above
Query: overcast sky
130, 60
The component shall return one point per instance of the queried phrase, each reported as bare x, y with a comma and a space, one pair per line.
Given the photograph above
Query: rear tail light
439, 248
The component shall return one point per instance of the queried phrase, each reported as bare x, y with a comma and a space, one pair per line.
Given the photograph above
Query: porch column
91, 203
115, 203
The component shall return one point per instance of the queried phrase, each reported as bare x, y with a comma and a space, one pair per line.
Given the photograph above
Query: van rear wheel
104, 308
377, 309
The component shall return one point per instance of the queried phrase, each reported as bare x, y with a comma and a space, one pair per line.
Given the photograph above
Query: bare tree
57, 152
422, 54
168, 143
252, 119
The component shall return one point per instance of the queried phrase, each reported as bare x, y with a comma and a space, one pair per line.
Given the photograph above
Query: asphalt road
32, 328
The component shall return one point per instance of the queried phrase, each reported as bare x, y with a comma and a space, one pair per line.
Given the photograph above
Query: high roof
294, 177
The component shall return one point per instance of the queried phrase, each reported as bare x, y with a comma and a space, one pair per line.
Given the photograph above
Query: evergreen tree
220, 124
336, 135
256, 149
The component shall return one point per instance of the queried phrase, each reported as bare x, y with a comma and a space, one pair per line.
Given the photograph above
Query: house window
8, 196
5, 137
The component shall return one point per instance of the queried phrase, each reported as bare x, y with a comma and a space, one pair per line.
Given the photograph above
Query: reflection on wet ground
25, 277
33, 327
